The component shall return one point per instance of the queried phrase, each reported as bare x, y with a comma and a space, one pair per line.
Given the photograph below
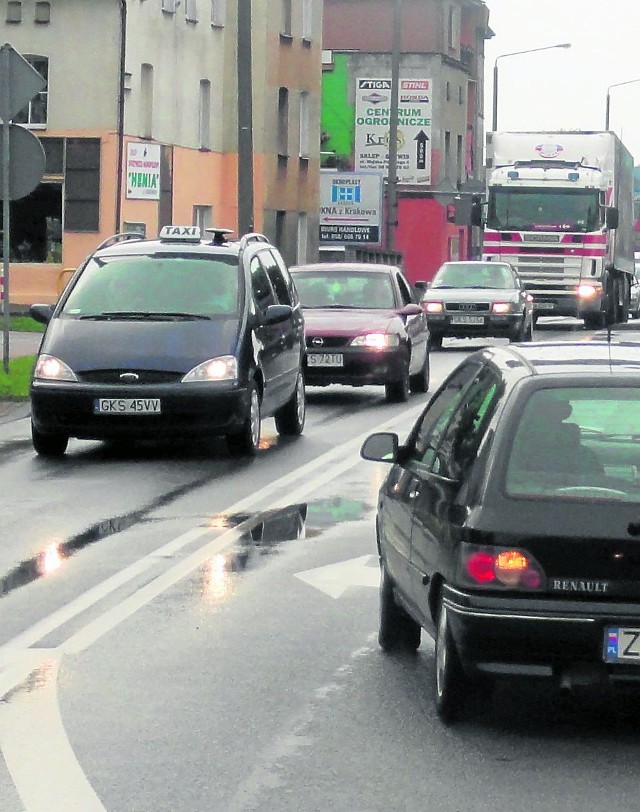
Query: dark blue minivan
174, 337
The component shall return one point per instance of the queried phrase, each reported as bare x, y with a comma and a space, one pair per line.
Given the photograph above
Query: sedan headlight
223, 368
50, 368
433, 307
376, 341
501, 307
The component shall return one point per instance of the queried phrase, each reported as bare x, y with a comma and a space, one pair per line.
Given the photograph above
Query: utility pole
245, 119
392, 176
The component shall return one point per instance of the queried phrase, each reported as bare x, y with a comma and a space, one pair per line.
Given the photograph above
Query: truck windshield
544, 209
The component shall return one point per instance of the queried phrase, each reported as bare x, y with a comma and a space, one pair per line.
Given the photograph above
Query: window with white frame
307, 19
146, 101
453, 29
286, 18
35, 112
204, 115
170, 6
305, 106
218, 12
202, 217
302, 237
191, 10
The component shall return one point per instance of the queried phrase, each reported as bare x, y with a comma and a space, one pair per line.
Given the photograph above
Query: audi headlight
50, 368
223, 368
376, 341
501, 307
433, 307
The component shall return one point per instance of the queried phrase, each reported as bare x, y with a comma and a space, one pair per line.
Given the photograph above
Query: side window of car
461, 441
405, 290
276, 277
262, 290
293, 293
426, 436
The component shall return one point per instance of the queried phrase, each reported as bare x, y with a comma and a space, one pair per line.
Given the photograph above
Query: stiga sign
143, 171
373, 120
350, 207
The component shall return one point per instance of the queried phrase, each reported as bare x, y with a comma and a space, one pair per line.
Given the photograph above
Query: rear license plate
543, 306
127, 406
622, 645
325, 359
467, 319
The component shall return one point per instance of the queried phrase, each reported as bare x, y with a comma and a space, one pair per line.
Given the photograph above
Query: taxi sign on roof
180, 233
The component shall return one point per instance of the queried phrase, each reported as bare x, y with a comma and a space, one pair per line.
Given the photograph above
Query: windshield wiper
116, 315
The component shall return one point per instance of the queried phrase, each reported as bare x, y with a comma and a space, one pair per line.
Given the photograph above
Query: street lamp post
495, 74
618, 84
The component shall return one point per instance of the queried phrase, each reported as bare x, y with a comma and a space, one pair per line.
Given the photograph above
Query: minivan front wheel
290, 417
245, 443
48, 445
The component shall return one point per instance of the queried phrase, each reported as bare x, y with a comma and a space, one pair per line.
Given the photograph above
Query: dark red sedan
364, 325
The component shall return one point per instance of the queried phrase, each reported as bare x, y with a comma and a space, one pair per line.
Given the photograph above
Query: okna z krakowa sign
350, 207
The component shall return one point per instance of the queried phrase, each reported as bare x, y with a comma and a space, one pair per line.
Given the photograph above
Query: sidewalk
12, 411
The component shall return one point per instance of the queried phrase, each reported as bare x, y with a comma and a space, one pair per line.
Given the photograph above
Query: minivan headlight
50, 368
223, 368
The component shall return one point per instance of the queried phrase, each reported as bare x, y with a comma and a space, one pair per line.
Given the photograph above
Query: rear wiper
113, 315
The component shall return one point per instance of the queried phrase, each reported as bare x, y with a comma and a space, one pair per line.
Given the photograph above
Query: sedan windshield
342, 289
165, 285
544, 210
579, 443
474, 275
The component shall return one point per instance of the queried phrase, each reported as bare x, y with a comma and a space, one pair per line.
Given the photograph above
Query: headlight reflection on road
50, 559
218, 583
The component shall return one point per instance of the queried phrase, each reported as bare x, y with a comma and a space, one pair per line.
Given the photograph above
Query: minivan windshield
187, 285
578, 443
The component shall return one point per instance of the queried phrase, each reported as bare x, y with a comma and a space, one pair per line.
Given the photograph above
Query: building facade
139, 123
440, 129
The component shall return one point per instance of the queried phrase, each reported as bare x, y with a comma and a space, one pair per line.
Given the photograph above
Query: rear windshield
187, 284
578, 443
340, 289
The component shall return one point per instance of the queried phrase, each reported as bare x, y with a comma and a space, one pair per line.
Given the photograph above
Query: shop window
82, 184
35, 113
36, 225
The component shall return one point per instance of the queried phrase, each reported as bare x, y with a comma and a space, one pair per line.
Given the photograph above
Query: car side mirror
421, 285
380, 447
612, 217
275, 314
41, 313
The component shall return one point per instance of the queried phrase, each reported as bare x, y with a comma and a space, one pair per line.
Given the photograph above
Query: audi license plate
467, 319
543, 306
325, 359
622, 645
127, 406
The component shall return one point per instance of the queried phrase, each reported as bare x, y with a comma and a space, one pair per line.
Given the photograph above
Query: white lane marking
53, 774
36, 748
335, 579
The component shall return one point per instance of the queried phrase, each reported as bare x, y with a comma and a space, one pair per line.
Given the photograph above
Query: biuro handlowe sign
373, 111
350, 207
143, 171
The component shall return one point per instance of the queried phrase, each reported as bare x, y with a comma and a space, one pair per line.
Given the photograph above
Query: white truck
559, 208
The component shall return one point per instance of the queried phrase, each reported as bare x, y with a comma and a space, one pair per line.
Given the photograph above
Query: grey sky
566, 88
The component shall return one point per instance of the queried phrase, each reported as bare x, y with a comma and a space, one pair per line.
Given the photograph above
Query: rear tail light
501, 568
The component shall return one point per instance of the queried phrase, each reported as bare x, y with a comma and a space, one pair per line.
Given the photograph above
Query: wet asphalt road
183, 632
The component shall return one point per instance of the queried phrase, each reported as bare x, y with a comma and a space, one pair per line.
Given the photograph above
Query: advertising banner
143, 171
350, 207
373, 109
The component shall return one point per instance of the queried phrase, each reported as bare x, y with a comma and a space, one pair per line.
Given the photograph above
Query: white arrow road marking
39, 758
335, 579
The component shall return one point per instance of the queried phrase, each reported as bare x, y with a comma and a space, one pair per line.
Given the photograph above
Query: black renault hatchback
174, 337
509, 524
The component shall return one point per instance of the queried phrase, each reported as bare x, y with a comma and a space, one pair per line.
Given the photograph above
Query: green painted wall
337, 116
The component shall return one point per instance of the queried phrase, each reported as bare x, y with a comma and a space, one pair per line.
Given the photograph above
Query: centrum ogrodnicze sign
373, 118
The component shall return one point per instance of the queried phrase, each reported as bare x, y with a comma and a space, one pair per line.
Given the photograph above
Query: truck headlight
588, 291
